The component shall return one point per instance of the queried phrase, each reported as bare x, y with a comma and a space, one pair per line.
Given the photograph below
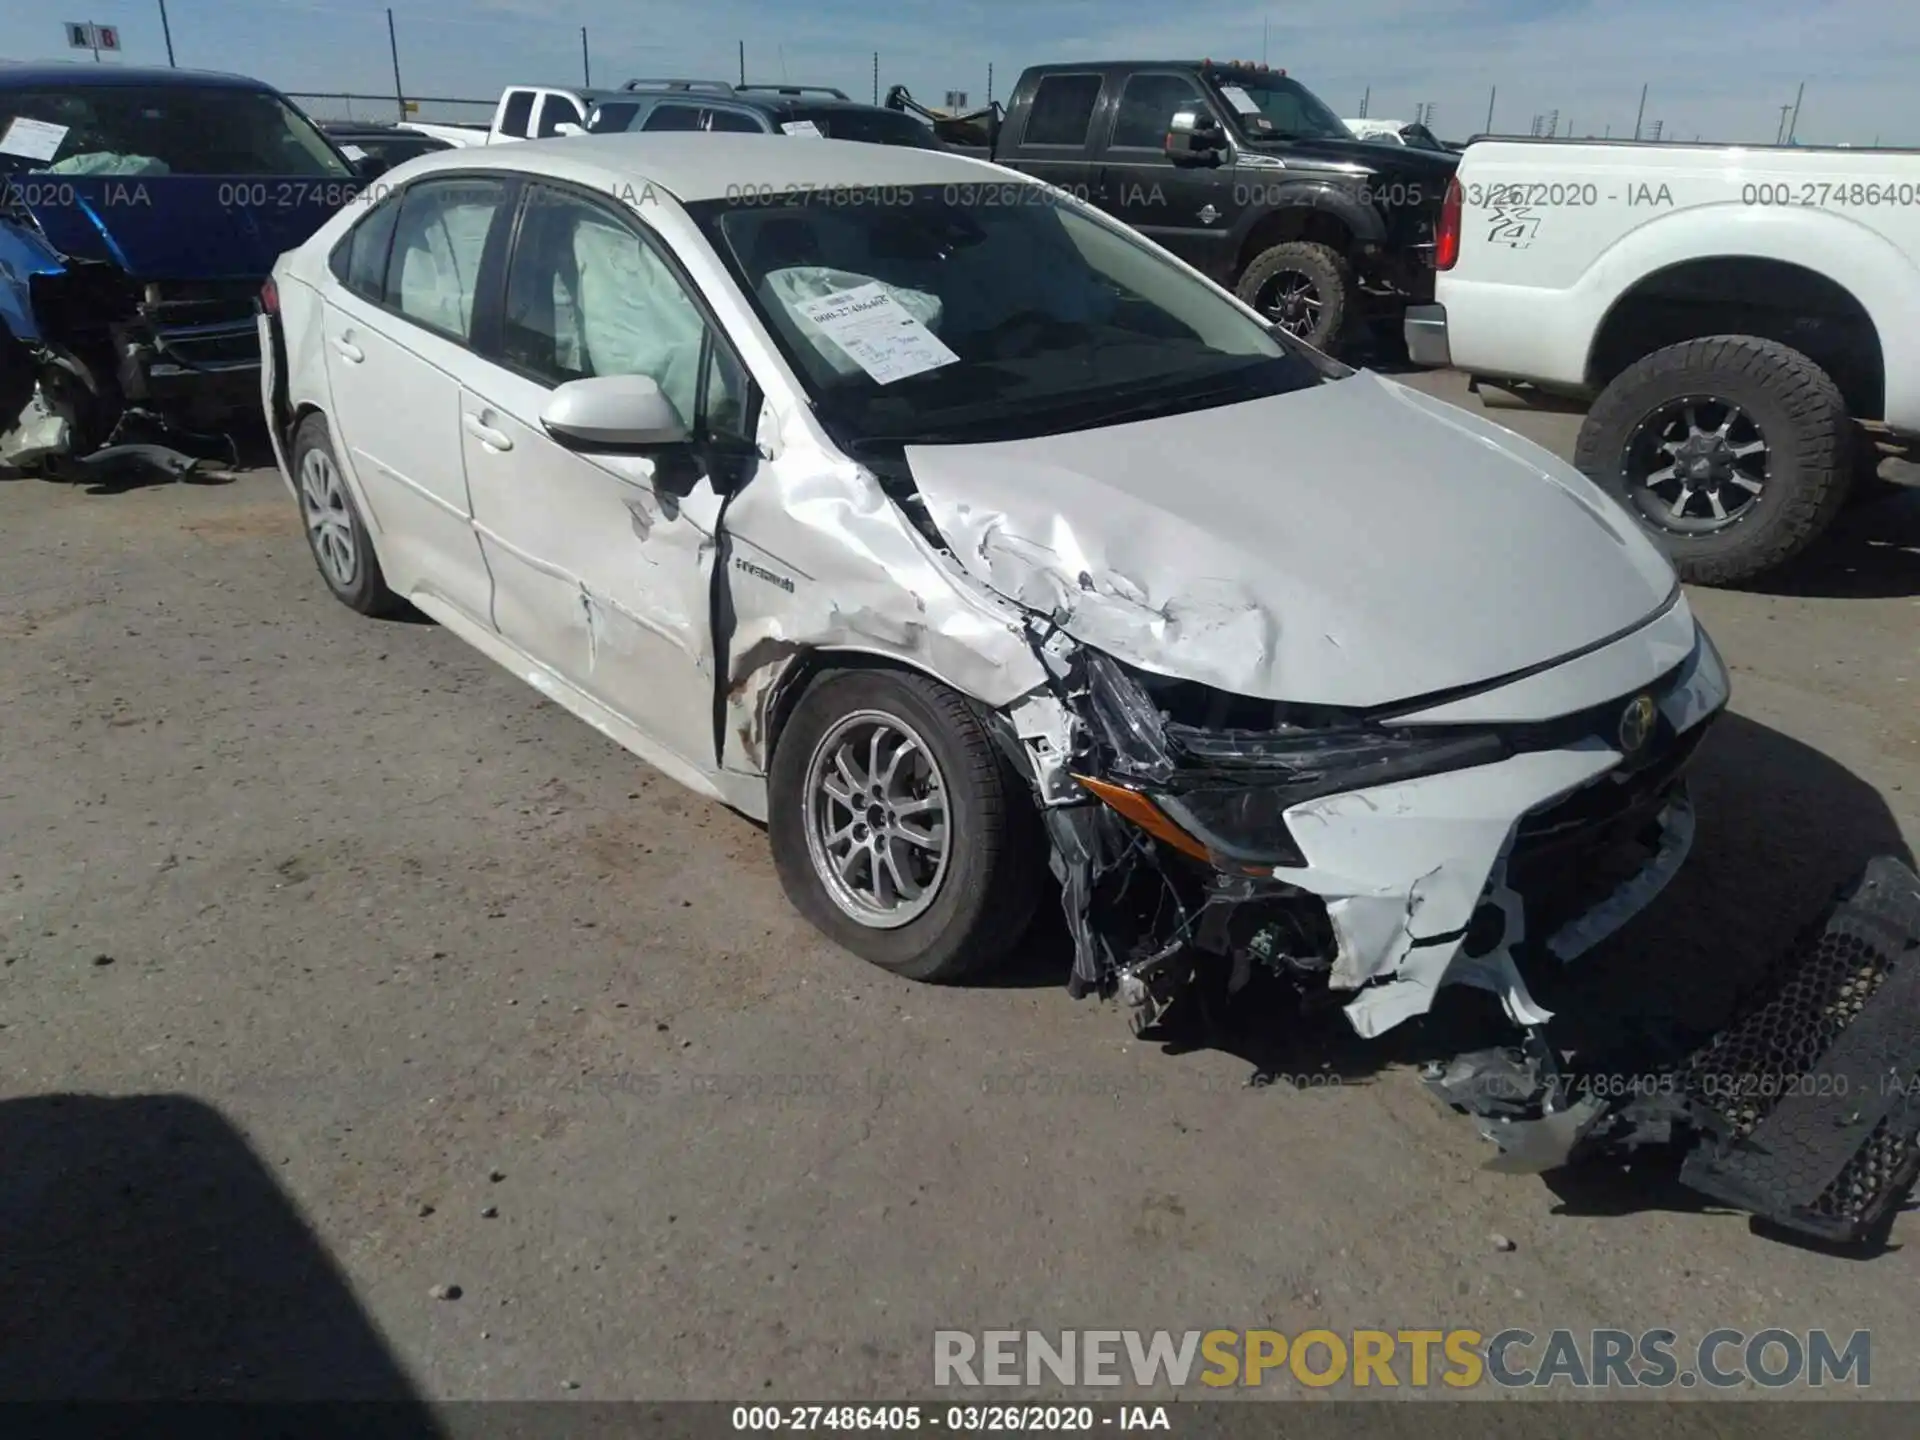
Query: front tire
1305, 288
1734, 453
336, 535
899, 830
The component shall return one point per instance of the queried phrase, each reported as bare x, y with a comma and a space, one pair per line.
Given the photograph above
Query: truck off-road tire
899, 829
1732, 452
336, 535
1305, 288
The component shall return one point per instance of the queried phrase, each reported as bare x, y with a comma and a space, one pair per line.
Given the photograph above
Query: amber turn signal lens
1132, 805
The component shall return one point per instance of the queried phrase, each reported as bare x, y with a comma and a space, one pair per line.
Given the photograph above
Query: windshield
161, 130
957, 313
1421, 138
1272, 107
879, 127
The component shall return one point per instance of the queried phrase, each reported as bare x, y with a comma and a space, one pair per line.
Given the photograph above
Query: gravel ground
371, 1025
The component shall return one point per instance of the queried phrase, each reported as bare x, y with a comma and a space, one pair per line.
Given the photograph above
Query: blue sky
1719, 68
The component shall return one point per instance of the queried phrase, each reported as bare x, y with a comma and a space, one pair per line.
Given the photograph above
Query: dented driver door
601, 562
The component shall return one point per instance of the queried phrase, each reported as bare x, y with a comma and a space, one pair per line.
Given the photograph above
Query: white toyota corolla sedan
986, 551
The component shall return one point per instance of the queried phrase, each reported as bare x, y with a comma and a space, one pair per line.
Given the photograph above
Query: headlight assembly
1229, 789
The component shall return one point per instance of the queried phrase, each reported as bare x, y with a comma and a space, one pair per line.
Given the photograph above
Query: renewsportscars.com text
1457, 1359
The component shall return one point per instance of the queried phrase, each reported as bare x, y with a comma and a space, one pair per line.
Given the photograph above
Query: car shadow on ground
1782, 828
147, 1254
1871, 553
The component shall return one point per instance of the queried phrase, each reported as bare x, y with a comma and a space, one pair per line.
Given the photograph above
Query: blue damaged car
140, 212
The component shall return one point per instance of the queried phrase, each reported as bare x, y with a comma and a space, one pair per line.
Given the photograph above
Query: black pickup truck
1237, 169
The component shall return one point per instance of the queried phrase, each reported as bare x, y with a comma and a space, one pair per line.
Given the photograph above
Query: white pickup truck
1741, 321
524, 112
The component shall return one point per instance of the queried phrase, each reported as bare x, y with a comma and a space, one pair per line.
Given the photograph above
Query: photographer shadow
149, 1256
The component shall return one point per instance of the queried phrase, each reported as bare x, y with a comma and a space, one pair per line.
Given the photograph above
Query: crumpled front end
96, 364
1369, 859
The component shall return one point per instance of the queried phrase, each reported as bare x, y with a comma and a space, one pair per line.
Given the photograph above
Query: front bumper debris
1803, 1110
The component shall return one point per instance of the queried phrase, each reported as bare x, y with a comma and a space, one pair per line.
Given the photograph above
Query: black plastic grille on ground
1818, 1086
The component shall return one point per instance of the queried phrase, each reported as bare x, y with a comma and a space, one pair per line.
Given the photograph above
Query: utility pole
1363, 102
167, 31
393, 49
1609, 134
1641, 113
743, 61
586, 62
1793, 125
1780, 131
1656, 131
1492, 91
989, 82
876, 77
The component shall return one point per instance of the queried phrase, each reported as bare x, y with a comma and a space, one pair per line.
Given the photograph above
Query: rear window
1062, 110
875, 127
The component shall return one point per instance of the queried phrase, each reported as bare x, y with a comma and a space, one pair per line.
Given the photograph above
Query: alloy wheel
877, 822
323, 503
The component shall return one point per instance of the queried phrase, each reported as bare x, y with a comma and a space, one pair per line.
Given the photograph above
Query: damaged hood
1352, 544
180, 227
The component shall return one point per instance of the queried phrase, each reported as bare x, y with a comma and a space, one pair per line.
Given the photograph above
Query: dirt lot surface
363, 971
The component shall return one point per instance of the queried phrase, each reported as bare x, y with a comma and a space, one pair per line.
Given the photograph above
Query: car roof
700, 166
769, 102
61, 73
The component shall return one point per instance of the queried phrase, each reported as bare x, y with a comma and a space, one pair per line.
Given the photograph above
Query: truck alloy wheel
1696, 465
1303, 288
1733, 453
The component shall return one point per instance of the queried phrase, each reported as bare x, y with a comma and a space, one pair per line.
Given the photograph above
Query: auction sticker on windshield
1239, 99
802, 127
878, 333
32, 139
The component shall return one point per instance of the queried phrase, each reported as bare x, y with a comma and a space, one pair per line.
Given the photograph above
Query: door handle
485, 433
349, 351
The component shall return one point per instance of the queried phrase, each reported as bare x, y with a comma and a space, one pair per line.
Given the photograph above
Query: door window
554, 110
1146, 105
586, 295
518, 114
1062, 110
673, 117
437, 249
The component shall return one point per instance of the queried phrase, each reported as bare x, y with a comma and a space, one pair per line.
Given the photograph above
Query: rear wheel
1732, 452
898, 828
1304, 288
335, 533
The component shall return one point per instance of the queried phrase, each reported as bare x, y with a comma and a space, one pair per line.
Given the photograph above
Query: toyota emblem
1636, 724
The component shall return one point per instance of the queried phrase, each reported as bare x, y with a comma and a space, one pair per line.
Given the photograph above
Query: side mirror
613, 412
1194, 137
370, 167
